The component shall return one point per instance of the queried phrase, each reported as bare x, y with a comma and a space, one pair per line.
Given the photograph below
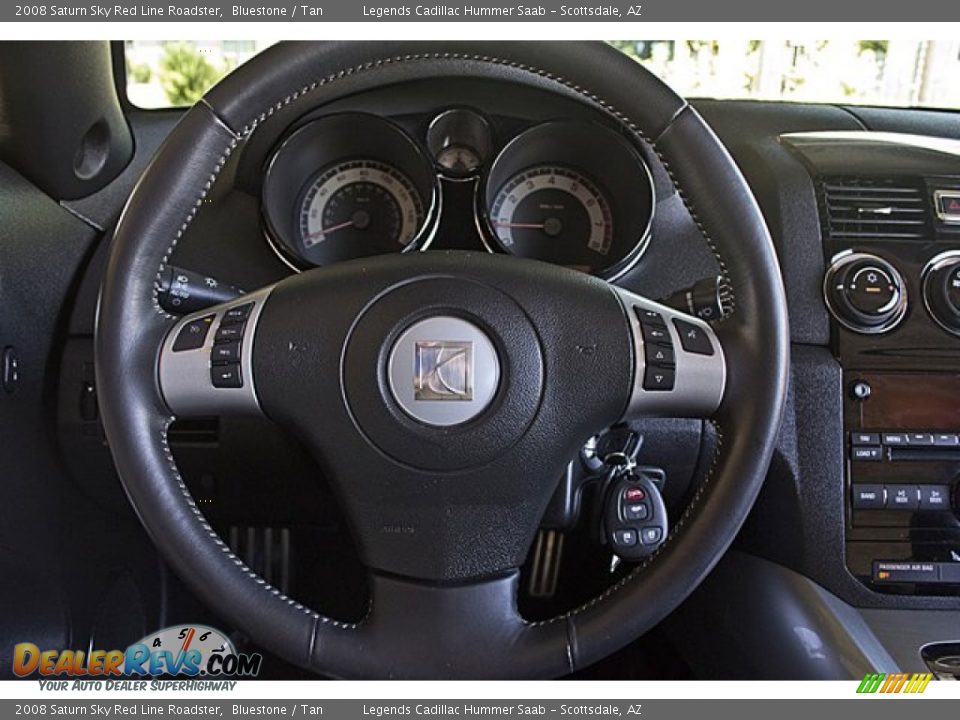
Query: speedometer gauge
571, 193
555, 214
360, 203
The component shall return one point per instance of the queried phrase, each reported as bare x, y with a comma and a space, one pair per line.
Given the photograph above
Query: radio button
919, 439
903, 497
868, 497
946, 440
894, 439
934, 497
862, 438
870, 453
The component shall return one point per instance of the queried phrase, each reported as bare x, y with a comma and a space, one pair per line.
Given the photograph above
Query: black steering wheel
443, 499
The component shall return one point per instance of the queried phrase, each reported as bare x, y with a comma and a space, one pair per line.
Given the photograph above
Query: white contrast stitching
191, 503
727, 294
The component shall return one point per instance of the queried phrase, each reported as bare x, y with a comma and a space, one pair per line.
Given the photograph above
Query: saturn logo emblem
443, 370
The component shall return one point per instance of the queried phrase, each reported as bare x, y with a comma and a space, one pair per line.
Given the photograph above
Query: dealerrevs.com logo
188, 651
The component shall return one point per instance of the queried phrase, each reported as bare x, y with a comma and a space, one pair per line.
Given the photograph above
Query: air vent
857, 208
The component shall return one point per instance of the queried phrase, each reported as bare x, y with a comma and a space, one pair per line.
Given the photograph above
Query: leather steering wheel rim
291, 78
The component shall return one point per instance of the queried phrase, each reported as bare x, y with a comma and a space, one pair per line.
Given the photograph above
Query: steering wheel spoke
679, 363
206, 359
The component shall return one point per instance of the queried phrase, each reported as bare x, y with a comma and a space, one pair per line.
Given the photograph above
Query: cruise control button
651, 317
934, 497
625, 538
225, 353
862, 438
226, 376
651, 535
693, 338
193, 335
660, 355
229, 333
868, 453
658, 378
903, 497
868, 497
237, 314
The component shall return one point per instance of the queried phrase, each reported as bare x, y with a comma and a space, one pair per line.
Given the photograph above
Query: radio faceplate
903, 481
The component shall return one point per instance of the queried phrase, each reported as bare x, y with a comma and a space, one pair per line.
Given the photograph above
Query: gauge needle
532, 226
332, 228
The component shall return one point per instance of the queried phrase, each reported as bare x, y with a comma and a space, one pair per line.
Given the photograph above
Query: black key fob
635, 518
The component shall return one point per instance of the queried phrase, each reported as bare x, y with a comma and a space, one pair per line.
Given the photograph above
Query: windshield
901, 73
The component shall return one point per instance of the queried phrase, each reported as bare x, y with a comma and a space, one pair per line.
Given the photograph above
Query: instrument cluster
354, 184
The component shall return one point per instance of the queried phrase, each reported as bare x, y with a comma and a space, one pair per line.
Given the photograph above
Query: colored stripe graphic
894, 683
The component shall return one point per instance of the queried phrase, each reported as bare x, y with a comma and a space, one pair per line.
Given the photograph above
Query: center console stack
890, 215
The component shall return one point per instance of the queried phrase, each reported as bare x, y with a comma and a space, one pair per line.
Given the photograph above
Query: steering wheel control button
625, 538
443, 371
661, 355
238, 313
225, 353
193, 335
867, 453
869, 497
865, 293
655, 334
692, 338
229, 333
649, 317
226, 376
656, 377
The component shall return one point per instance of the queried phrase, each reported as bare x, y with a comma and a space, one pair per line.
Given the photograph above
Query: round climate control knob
941, 290
865, 293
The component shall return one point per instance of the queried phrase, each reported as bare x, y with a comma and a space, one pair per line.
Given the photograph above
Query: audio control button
934, 497
903, 497
868, 497
869, 453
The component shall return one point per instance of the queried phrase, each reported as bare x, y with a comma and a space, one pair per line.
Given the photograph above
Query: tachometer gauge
554, 214
348, 186
359, 204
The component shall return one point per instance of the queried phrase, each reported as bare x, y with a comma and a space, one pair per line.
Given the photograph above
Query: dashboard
435, 165
350, 185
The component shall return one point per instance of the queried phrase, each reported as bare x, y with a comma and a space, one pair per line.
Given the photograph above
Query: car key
635, 517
